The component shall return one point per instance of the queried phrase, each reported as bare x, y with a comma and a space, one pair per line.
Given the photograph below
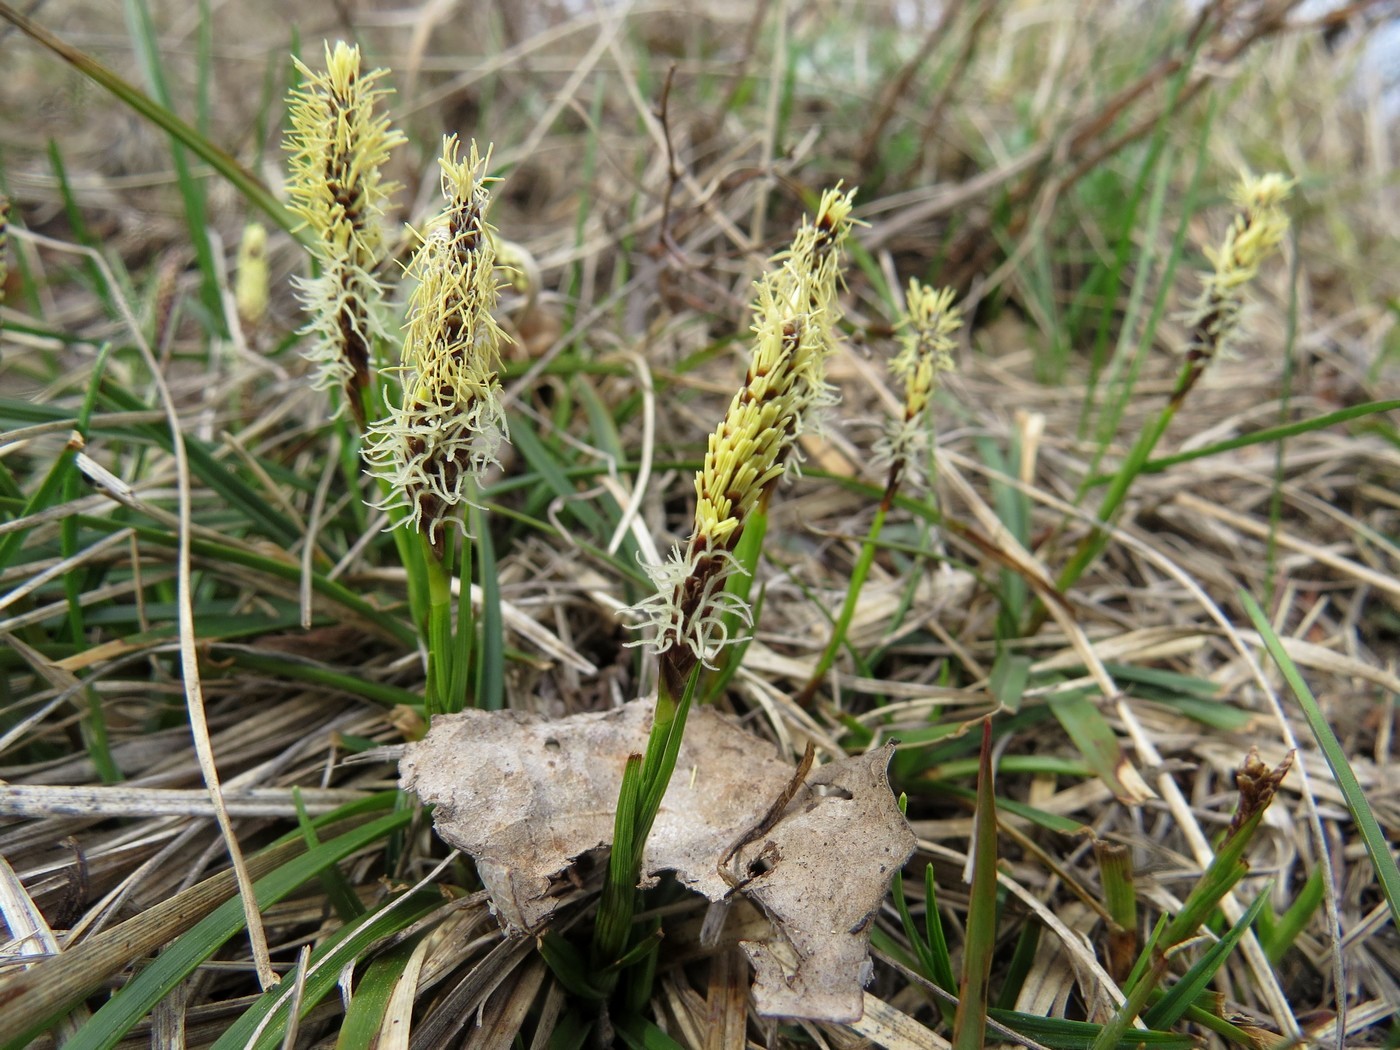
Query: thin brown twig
934, 117
897, 86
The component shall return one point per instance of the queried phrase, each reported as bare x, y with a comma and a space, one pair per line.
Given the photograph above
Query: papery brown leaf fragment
528, 797
532, 799
826, 868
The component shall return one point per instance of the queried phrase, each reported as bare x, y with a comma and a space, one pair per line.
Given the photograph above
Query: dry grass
648, 236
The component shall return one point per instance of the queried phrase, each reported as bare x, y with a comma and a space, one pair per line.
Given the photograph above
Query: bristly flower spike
927, 346
1214, 321
794, 319
338, 145
1257, 230
445, 433
926, 333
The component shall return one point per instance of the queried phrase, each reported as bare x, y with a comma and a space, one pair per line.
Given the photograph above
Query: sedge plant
928, 328
433, 445
696, 602
428, 442
1213, 319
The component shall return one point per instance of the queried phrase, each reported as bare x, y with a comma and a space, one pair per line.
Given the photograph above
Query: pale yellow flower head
795, 315
926, 343
447, 429
338, 145
1254, 235
926, 334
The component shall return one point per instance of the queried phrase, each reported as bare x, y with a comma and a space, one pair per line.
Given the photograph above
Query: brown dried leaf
827, 866
533, 800
529, 797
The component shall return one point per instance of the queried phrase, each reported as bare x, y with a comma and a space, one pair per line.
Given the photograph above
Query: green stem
644, 783
437, 693
461, 658
859, 572
449, 646
1093, 544
1112, 1033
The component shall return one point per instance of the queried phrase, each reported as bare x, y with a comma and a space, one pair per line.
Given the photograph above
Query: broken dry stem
1257, 784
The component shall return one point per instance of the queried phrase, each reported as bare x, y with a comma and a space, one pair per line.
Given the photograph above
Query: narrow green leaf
930, 949
1058, 1033
1093, 736
638, 1033
364, 1017
1183, 993
259, 510
1007, 682
116, 1017
143, 35
262, 1025
1378, 846
970, 1022
491, 656
1022, 959
338, 890
543, 460
1267, 436
569, 967
1285, 930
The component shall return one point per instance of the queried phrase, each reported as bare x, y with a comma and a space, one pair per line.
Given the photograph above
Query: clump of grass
689, 615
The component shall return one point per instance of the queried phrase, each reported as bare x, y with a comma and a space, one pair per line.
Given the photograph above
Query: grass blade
969, 1025
111, 1023
262, 1025
1183, 993
237, 176
1377, 845
143, 35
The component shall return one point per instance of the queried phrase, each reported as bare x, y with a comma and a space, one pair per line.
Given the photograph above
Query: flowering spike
794, 317
926, 337
1256, 231
337, 146
450, 423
